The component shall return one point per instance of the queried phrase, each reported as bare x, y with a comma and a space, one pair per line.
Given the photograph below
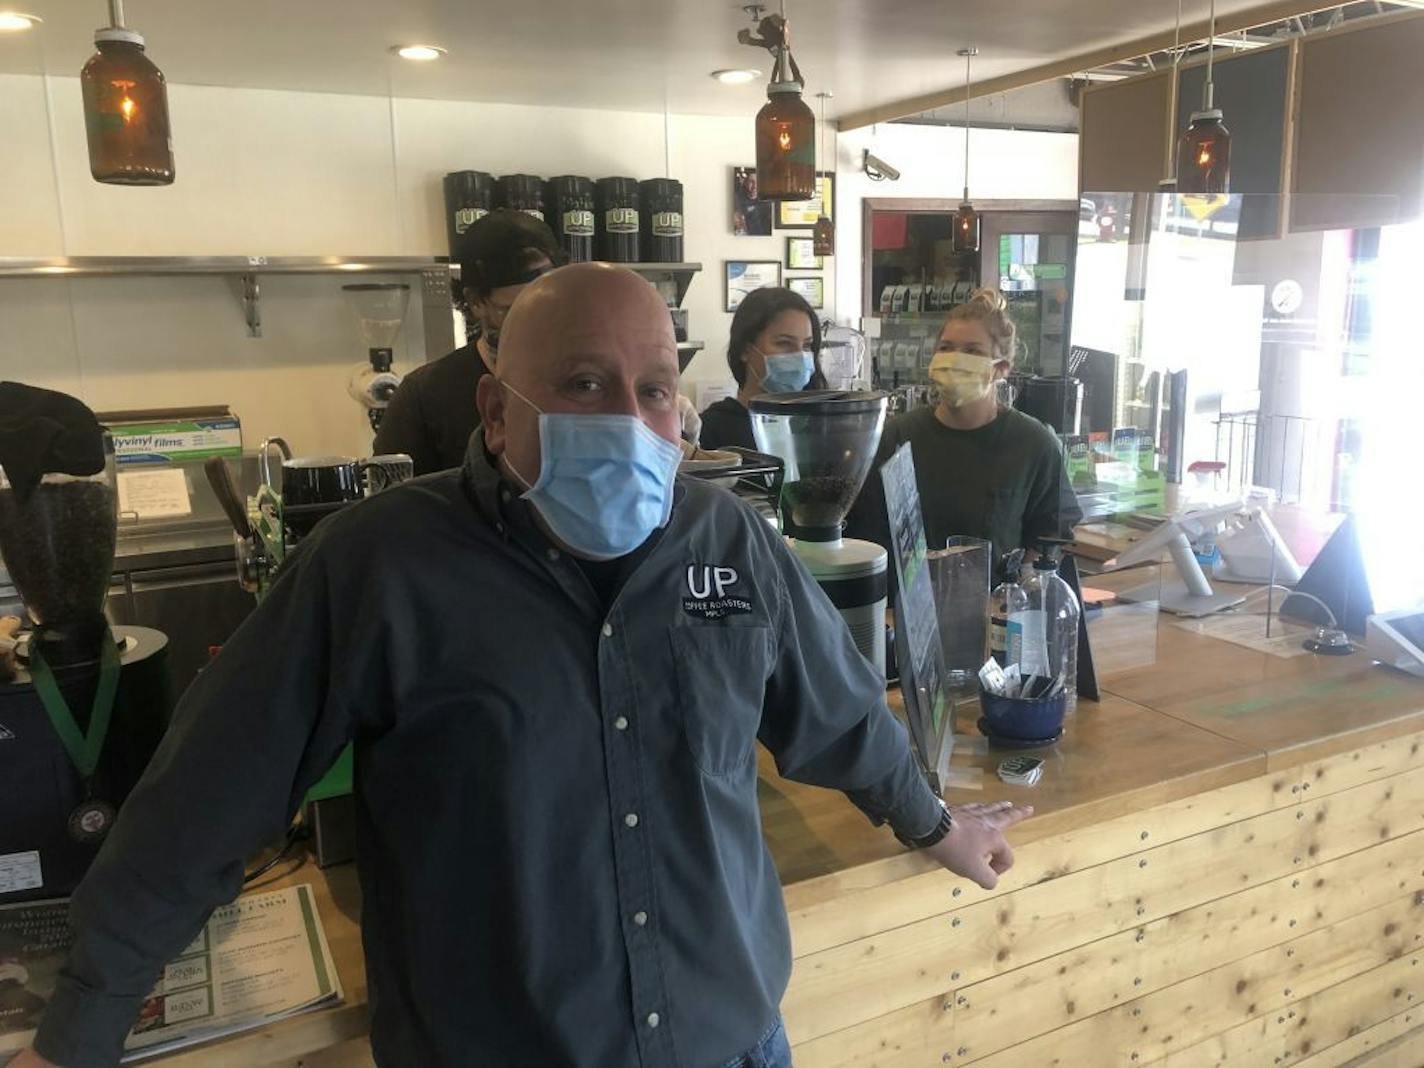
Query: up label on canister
621, 220
667, 224
578, 223
467, 217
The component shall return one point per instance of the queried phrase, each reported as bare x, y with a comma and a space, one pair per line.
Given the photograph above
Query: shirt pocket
721, 684
1005, 516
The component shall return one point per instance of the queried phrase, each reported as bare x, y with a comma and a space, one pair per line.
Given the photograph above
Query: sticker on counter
179, 442
20, 871
160, 493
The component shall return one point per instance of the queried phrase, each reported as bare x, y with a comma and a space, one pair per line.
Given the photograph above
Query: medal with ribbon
91, 819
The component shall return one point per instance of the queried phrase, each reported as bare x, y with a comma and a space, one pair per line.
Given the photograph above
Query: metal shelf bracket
251, 298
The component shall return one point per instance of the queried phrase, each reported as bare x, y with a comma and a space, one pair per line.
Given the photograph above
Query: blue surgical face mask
605, 481
787, 372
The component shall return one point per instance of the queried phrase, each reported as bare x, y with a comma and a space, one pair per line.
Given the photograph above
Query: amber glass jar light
1204, 156
967, 224
785, 140
126, 112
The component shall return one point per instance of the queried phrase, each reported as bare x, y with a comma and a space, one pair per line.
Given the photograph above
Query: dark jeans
772, 1051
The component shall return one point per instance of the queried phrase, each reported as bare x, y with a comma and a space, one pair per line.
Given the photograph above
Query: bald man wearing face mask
560, 848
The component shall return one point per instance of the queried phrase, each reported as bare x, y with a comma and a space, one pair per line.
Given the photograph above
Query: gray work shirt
560, 850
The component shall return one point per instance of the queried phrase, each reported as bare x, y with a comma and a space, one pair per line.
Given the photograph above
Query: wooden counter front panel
1179, 935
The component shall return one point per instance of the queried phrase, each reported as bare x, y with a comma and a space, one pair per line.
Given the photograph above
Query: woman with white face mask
983, 470
774, 347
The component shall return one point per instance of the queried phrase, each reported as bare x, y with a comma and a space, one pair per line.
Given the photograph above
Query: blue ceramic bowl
1021, 720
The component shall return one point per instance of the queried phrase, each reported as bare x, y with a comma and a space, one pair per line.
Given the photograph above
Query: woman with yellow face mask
983, 470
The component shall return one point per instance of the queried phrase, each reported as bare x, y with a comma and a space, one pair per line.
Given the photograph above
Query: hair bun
991, 298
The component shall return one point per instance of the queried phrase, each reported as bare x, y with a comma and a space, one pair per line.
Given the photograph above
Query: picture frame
802, 214
801, 255
812, 287
750, 217
740, 277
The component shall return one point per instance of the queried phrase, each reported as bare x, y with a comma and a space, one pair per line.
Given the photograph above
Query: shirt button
654, 1019
640, 918
552, 554
608, 630
631, 820
504, 495
621, 723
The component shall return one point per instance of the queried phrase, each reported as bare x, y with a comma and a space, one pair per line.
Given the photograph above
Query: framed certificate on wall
802, 214
812, 287
741, 277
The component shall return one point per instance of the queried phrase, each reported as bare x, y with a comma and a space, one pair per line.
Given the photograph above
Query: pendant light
1204, 152
785, 126
1168, 182
823, 234
967, 222
126, 108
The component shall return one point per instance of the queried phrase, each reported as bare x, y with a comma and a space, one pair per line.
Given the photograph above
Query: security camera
877, 170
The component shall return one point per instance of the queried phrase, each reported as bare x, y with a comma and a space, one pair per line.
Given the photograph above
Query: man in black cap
433, 412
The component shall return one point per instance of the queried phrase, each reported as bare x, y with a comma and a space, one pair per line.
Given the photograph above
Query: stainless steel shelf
235, 265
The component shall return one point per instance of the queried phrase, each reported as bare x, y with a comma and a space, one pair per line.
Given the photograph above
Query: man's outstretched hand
975, 846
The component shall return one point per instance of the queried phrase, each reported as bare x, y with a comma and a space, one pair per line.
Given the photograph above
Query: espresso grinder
827, 441
380, 306
83, 705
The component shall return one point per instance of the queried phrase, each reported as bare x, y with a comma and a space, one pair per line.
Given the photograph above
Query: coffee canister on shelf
469, 197
521, 192
662, 220
617, 216
569, 201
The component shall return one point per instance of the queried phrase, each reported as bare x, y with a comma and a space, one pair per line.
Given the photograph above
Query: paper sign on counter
159, 493
20, 871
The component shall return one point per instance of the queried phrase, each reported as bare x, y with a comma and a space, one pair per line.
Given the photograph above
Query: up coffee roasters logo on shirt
711, 592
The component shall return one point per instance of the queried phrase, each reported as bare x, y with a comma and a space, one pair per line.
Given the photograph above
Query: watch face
1287, 296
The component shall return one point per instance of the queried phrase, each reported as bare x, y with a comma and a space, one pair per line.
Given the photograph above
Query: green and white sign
177, 442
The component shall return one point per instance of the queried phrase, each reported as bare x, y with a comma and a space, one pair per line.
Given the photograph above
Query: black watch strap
941, 828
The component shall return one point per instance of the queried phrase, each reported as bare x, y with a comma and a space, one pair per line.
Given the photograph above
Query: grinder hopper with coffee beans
827, 441
83, 705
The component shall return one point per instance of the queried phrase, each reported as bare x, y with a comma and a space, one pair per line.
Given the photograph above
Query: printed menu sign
259, 959
917, 643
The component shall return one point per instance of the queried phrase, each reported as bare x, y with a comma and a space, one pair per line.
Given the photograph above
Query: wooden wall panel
1359, 148
1358, 1049
852, 905
1317, 1022
1407, 1051
1122, 135
1193, 1012
1272, 859
859, 902
1059, 991
894, 969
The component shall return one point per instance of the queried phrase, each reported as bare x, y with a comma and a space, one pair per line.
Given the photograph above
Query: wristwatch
941, 828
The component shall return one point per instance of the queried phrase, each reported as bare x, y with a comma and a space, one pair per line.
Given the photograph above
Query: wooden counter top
1207, 714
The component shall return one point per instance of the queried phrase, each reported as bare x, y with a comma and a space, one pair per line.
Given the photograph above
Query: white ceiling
615, 54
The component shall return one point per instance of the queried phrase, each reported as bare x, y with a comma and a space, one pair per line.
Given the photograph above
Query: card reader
1397, 639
